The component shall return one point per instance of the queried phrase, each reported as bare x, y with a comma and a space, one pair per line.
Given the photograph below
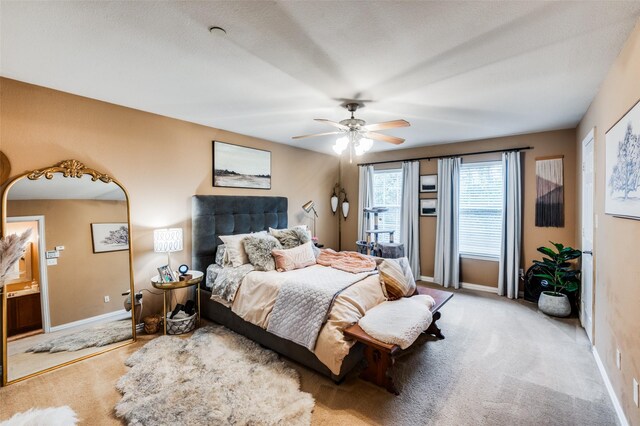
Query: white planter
554, 304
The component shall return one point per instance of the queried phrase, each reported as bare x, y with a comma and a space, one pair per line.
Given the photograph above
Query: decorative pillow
394, 281
234, 254
220, 252
294, 258
258, 248
292, 237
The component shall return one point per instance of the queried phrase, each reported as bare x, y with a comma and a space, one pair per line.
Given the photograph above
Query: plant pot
554, 304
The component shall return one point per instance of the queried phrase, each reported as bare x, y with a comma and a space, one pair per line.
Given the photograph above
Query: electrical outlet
107, 299
618, 358
635, 392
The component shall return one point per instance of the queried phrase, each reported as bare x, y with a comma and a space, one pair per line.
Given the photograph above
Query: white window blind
480, 209
387, 192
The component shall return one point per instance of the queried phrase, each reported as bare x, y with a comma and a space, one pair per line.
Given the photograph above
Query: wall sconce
335, 199
167, 241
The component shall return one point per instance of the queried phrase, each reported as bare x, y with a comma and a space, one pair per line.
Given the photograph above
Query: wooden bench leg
433, 328
379, 369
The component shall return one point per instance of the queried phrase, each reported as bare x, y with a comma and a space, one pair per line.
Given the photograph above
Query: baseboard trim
112, 316
609, 386
468, 286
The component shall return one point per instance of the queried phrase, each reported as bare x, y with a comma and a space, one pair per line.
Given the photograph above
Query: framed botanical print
429, 183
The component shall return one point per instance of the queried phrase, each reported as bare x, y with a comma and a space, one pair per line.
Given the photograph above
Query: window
387, 192
480, 209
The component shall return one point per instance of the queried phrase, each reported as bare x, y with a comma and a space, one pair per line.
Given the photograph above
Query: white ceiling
455, 70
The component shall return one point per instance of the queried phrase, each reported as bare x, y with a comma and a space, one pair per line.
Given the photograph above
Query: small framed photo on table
166, 275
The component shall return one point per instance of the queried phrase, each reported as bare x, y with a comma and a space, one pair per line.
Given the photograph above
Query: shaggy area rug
214, 377
100, 335
57, 416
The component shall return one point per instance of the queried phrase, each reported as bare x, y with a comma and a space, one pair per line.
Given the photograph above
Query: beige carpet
502, 363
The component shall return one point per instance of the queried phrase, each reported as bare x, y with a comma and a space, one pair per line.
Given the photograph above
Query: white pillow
235, 255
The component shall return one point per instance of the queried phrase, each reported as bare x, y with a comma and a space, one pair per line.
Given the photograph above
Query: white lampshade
341, 145
334, 203
167, 240
345, 208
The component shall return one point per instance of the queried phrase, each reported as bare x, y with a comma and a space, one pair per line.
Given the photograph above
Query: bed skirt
222, 315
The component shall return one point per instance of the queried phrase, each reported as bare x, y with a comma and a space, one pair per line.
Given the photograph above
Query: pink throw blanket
348, 261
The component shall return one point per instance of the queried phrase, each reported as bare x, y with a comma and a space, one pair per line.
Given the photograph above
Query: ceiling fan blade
332, 123
386, 125
384, 138
316, 134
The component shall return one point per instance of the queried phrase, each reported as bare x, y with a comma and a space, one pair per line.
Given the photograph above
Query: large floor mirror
66, 298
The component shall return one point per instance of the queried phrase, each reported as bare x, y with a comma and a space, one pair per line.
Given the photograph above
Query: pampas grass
11, 250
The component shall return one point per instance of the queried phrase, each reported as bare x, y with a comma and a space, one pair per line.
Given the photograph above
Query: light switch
51, 262
59, 248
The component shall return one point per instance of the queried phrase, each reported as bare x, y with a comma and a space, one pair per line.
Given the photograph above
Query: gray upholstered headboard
215, 215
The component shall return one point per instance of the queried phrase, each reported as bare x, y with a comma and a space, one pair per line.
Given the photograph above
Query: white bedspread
399, 322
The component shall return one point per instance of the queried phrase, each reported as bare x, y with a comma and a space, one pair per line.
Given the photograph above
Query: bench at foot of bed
381, 356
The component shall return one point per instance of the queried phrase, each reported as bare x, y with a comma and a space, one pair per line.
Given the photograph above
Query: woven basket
180, 326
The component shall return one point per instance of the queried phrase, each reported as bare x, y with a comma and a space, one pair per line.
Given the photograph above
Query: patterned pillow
394, 281
258, 248
220, 252
295, 258
290, 238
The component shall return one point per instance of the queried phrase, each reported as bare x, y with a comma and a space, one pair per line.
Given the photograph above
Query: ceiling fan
357, 133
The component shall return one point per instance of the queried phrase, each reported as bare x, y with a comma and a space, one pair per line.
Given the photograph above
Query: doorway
586, 305
26, 291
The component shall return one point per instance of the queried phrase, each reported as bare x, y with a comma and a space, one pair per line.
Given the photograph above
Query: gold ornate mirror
63, 301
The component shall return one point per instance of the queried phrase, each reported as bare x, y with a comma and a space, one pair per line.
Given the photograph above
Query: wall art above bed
622, 164
238, 166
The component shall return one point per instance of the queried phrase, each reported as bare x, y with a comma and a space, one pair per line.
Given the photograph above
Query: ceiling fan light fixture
341, 144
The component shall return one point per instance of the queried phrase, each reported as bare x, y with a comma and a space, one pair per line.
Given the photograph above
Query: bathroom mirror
63, 301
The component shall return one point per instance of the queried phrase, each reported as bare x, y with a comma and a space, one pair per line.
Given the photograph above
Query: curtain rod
524, 148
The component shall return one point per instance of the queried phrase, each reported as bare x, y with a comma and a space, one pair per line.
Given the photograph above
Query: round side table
196, 278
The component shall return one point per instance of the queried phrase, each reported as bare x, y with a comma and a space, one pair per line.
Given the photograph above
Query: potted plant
558, 270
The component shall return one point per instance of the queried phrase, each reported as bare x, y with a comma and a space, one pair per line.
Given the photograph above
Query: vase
554, 304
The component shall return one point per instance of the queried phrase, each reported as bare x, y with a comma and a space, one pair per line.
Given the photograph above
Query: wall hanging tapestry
549, 192
622, 163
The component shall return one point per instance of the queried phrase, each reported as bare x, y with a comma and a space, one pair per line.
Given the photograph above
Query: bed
216, 215
340, 344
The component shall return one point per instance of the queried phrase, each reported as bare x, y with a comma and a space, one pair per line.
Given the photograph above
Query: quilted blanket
304, 301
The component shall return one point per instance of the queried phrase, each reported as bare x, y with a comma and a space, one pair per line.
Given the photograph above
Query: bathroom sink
23, 292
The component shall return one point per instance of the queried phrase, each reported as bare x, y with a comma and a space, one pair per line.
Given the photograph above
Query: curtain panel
447, 256
410, 214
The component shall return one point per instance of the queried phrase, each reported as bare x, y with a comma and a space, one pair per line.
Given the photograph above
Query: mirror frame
68, 169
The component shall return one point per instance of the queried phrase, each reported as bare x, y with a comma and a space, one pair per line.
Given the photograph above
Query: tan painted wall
81, 279
161, 161
561, 142
616, 242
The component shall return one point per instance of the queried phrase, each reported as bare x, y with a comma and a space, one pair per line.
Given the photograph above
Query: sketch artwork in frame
428, 206
108, 237
429, 183
236, 166
622, 166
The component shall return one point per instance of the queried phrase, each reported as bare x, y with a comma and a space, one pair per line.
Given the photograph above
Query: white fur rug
100, 335
58, 416
214, 377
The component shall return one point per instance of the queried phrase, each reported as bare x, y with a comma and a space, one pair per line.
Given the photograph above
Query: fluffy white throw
399, 322
55, 416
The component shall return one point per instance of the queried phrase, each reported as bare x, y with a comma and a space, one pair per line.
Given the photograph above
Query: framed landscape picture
108, 237
622, 166
237, 166
428, 207
429, 183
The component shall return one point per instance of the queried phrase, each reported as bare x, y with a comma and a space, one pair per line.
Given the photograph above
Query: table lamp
167, 241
